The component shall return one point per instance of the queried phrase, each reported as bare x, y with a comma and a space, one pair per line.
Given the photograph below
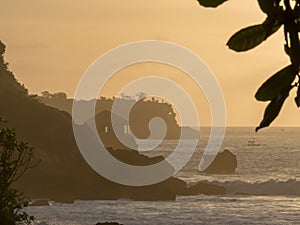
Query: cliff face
63, 175
49, 131
140, 115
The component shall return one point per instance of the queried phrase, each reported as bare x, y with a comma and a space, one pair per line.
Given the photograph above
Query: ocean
265, 189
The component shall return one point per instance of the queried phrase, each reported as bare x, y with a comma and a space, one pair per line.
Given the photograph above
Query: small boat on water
253, 143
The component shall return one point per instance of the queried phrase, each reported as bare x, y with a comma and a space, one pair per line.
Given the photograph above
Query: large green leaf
295, 45
276, 83
252, 36
297, 98
211, 3
273, 109
291, 33
266, 6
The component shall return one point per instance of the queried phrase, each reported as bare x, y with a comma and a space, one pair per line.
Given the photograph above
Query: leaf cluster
279, 13
15, 159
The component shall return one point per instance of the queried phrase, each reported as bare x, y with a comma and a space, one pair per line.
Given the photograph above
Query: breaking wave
270, 187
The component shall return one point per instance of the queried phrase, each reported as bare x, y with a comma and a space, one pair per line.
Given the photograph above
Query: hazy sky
51, 43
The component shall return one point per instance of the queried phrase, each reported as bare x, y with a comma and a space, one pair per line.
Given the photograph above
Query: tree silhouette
276, 89
15, 158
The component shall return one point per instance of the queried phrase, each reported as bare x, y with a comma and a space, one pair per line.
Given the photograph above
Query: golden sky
51, 43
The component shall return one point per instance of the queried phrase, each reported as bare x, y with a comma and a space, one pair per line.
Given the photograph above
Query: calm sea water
268, 174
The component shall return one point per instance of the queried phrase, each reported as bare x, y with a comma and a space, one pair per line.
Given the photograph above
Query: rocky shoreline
94, 187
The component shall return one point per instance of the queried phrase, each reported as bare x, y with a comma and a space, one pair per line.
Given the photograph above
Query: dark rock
109, 223
40, 203
64, 200
206, 189
224, 163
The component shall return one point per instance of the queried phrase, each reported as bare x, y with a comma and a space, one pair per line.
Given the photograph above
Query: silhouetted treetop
279, 13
